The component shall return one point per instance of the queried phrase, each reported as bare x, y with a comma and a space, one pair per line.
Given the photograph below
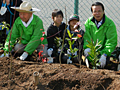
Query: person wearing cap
100, 27
7, 14
74, 28
28, 30
54, 31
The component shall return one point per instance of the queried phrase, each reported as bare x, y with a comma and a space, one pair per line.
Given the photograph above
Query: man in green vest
28, 30
101, 28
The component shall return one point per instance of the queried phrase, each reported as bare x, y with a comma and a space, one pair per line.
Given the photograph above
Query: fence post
76, 2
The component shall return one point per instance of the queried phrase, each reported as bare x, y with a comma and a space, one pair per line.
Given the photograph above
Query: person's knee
64, 59
19, 48
75, 60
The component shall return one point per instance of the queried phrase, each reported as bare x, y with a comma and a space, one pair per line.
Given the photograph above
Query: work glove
75, 53
118, 68
102, 61
86, 51
87, 63
50, 60
4, 55
50, 50
69, 61
68, 51
24, 56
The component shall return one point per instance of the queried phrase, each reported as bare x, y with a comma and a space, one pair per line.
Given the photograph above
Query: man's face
25, 16
58, 19
97, 12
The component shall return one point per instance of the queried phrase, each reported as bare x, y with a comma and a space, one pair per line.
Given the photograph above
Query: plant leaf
69, 33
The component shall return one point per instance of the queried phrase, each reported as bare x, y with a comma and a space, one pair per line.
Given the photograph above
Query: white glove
24, 56
50, 50
102, 61
68, 51
119, 58
7, 55
87, 63
118, 68
69, 61
75, 53
50, 60
86, 52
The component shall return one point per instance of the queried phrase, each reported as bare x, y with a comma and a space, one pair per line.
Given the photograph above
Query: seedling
94, 52
5, 25
71, 41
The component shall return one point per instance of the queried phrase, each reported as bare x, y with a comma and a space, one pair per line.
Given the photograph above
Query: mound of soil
18, 75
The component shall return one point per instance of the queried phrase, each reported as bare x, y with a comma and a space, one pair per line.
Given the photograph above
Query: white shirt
99, 23
27, 24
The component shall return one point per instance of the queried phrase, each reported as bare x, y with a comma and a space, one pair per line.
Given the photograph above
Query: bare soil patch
55, 77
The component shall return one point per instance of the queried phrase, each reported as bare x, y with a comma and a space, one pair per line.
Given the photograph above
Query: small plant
71, 41
58, 42
5, 25
94, 52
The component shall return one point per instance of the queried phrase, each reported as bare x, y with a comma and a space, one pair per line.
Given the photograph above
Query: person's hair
57, 12
97, 4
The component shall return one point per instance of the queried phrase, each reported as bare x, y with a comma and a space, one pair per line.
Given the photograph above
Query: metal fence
47, 6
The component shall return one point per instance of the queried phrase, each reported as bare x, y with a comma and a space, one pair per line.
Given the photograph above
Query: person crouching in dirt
55, 34
101, 28
28, 31
77, 37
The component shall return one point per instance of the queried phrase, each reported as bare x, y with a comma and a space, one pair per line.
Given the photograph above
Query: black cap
74, 16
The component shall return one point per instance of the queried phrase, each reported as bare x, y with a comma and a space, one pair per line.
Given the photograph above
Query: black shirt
54, 31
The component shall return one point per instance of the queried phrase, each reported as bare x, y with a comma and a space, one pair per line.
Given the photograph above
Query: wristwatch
105, 54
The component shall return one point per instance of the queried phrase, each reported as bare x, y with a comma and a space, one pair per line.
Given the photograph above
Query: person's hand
87, 63
86, 52
68, 51
69, 61
7, 2
75, 53
77, 25
50, 50
4, 55
118, 68
24, 56
102, 61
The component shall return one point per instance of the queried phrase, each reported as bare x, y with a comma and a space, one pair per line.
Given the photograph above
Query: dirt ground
18, 75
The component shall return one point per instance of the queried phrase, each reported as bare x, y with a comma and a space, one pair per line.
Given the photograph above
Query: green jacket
107, 34
30, 35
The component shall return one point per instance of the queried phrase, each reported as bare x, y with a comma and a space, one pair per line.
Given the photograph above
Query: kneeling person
28, 29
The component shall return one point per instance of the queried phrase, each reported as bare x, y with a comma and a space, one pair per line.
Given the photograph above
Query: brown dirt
55, 77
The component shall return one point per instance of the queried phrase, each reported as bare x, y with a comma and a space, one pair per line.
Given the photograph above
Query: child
74, 29
54, 31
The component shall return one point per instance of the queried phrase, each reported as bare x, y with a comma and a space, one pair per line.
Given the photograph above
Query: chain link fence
112, 8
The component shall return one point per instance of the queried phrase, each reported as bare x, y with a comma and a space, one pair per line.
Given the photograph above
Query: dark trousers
2, 37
